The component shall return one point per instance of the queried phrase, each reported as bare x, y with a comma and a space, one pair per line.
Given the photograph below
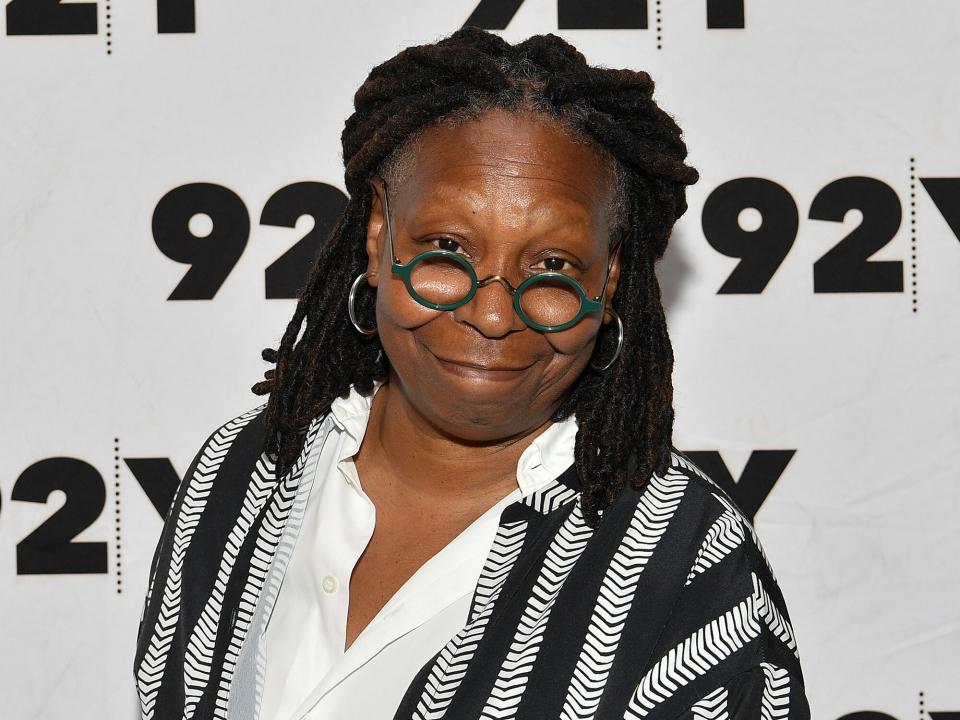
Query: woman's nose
490, 310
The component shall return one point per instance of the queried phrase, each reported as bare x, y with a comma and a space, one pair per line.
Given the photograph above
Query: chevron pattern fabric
712, 707
723, 537
776, 692
709, 646
451, 666
199, 655
744, 523
704, 649
191, 507
559, 561
268, 540
549, 498
651, 518
503, 554
668, 610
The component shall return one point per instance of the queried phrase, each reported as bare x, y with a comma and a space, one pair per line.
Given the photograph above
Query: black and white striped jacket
668, 610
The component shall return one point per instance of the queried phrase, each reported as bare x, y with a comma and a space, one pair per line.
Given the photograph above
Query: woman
461, 499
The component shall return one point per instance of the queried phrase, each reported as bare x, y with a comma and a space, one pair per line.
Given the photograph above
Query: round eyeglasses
444, 280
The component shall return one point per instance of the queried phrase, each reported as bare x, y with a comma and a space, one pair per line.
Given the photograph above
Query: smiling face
515, 196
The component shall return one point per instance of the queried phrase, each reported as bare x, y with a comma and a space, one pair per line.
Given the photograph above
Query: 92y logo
51, 548
846, 267
213, 256
600, 14
52, 17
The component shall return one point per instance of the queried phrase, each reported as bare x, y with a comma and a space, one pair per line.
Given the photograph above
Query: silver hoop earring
619, 343
350, 309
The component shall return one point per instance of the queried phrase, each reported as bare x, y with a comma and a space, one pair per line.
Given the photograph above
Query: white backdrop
830, 380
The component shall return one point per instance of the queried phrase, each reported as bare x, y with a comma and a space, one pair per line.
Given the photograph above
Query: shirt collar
350, 414
550, 453
547, 456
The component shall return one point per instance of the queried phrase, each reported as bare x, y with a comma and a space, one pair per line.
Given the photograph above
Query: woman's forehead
515, 143
502, 159
523, 204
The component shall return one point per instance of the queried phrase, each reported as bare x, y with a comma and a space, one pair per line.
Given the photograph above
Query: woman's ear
612, 281
375, 229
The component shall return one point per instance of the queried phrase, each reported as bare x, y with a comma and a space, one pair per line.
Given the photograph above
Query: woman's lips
472, 369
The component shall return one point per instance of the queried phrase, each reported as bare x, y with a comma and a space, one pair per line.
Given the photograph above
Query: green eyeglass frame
404, 271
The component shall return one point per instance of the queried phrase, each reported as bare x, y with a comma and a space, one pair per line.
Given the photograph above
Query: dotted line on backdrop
658, 23
116, 507
913, 233
922, 713
109, 31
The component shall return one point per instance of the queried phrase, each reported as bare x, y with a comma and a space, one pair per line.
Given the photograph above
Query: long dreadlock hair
625, 414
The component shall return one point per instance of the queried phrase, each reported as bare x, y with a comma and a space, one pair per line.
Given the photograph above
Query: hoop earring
619, 343
350, 309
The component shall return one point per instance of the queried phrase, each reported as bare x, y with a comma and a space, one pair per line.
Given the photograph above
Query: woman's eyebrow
445, 220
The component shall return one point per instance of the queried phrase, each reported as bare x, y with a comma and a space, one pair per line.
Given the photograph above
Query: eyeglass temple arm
386, 216
613, 256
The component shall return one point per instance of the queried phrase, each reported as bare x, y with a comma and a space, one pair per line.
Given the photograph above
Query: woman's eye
448, 244
555, 264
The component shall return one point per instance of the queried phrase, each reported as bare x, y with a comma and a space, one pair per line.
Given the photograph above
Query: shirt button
330, 584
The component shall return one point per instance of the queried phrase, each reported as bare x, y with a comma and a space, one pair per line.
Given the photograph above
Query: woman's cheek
577, 340
395, 307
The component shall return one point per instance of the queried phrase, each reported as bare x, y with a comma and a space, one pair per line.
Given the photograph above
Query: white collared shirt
308, 674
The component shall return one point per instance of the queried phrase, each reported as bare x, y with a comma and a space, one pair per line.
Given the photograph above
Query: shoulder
701, 488
242, 434
693, 510
250, 422
728, 617
708, 535
233, 446
235, 455
721, 528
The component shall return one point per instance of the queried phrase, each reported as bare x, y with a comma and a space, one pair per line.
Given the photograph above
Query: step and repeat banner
168, 169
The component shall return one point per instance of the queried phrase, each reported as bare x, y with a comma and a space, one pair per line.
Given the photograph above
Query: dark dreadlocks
625, 414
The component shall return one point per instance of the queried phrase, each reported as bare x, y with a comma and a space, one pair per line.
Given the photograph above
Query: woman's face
508, 191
